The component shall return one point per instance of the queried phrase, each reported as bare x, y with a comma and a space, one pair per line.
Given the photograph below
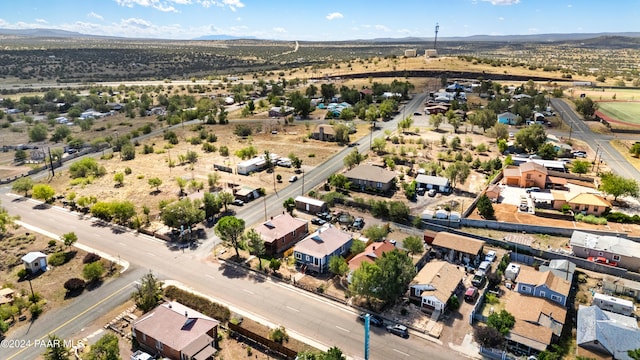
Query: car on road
602, 260
353, 144
358, 223
294, 178
491, 256
318, 221
374, 320
580, 154
432, 193
399, 330
417, 113
237, 202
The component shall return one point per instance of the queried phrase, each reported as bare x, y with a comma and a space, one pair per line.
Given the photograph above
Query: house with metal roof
434, 284
508, 118
428, 182
614, 248
563, 269
457, 248
35, 261
604, 334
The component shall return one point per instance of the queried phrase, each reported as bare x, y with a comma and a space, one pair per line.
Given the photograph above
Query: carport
543, 198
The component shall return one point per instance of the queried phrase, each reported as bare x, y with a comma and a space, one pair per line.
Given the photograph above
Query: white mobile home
613, 304
248, 166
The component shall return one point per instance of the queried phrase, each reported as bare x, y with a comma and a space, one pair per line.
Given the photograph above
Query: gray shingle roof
616, 333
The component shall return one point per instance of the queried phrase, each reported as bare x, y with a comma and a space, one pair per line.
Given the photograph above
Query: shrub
198, 303
57, 258
127, 171
51, 243
74, 284
279, 335
35, 310
492, 299
90, 258
22, 273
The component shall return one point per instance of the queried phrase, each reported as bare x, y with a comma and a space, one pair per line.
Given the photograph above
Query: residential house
370, 254
586, 203
310, 205
543, 284
324, 132
279, 111
555, 165
526, 175
563, 269
246, 193
519, 97
457, 248
602, 334
508, 118
177, 332
539, 322
282, 232
436, 109
434, 284
35, 261
371, 178
313, 252
614, 248
621, 286
428, 182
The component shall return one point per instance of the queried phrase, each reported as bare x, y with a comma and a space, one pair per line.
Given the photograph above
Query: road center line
248, 291
343, 329
151, 254
400, 352
210, 276
293, 309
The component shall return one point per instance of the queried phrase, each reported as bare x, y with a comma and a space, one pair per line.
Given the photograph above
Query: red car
602, 260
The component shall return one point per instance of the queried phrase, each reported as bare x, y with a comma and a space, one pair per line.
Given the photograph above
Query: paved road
598, 142
275, 303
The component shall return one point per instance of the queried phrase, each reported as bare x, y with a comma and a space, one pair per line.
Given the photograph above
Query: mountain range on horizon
56, 33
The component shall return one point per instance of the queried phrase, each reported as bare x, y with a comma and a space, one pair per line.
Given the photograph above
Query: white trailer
614, 304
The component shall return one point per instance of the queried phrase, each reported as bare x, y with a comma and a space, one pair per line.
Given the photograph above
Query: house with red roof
282, 232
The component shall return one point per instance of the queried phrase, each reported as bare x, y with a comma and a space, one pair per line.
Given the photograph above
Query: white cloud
334, 15
501, 18
382, 28
279, 30
164, 6
503, 2
41, 21
95, 16
137, 23
233, 4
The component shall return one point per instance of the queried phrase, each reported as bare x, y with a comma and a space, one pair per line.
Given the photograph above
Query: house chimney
272, 218
186, 314
374, 248
169, 305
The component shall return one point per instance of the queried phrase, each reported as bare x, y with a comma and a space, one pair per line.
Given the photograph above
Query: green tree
212, 205
300, 104
274, 265
634, 354
413, 244
38, 132
457, 172
60, 133
376, 233
155, 182
617, 185
56, 349
398, 211
501, 131
547, 151
396, 271
379, 145
586, 107
106, 348
357, 247
531, 137
148, 292
580, 167
454, 120
43, 192
69, 238
338, 266
365, 279
118, 178
24, 184
353, 158
341, 133
182, 214
483, 118
86, 167
20, 156
488, 336
635, 149
339, 181
93, 271
334, 353
436, 120
127, 152
501, 321
230, 230
289, 205
485, 207
256, 245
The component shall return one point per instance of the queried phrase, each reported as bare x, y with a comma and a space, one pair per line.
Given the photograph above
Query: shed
35, 261
310, 205
613, 304
512, 271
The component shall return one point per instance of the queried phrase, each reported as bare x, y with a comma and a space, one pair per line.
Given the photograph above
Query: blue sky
320, 20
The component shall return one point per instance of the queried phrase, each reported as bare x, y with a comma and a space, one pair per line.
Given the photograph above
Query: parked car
491, 256
324, 216
532, 189
374, 320
602, 260
471, 294
432, 193
294, 178
318, 221
580, 154
479, 279
417, 113
238, 202
399, 330
485, 267
358, 223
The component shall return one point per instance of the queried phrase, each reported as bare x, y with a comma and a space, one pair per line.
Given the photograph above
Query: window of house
144, 337
158, 345
528, 176
616, 257
595, 209
316, 261
525, 288
307, 258
600, 253
379, 185
577, 207
298, 256
555, 297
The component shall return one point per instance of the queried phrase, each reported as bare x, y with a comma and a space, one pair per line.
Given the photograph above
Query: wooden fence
268, 343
